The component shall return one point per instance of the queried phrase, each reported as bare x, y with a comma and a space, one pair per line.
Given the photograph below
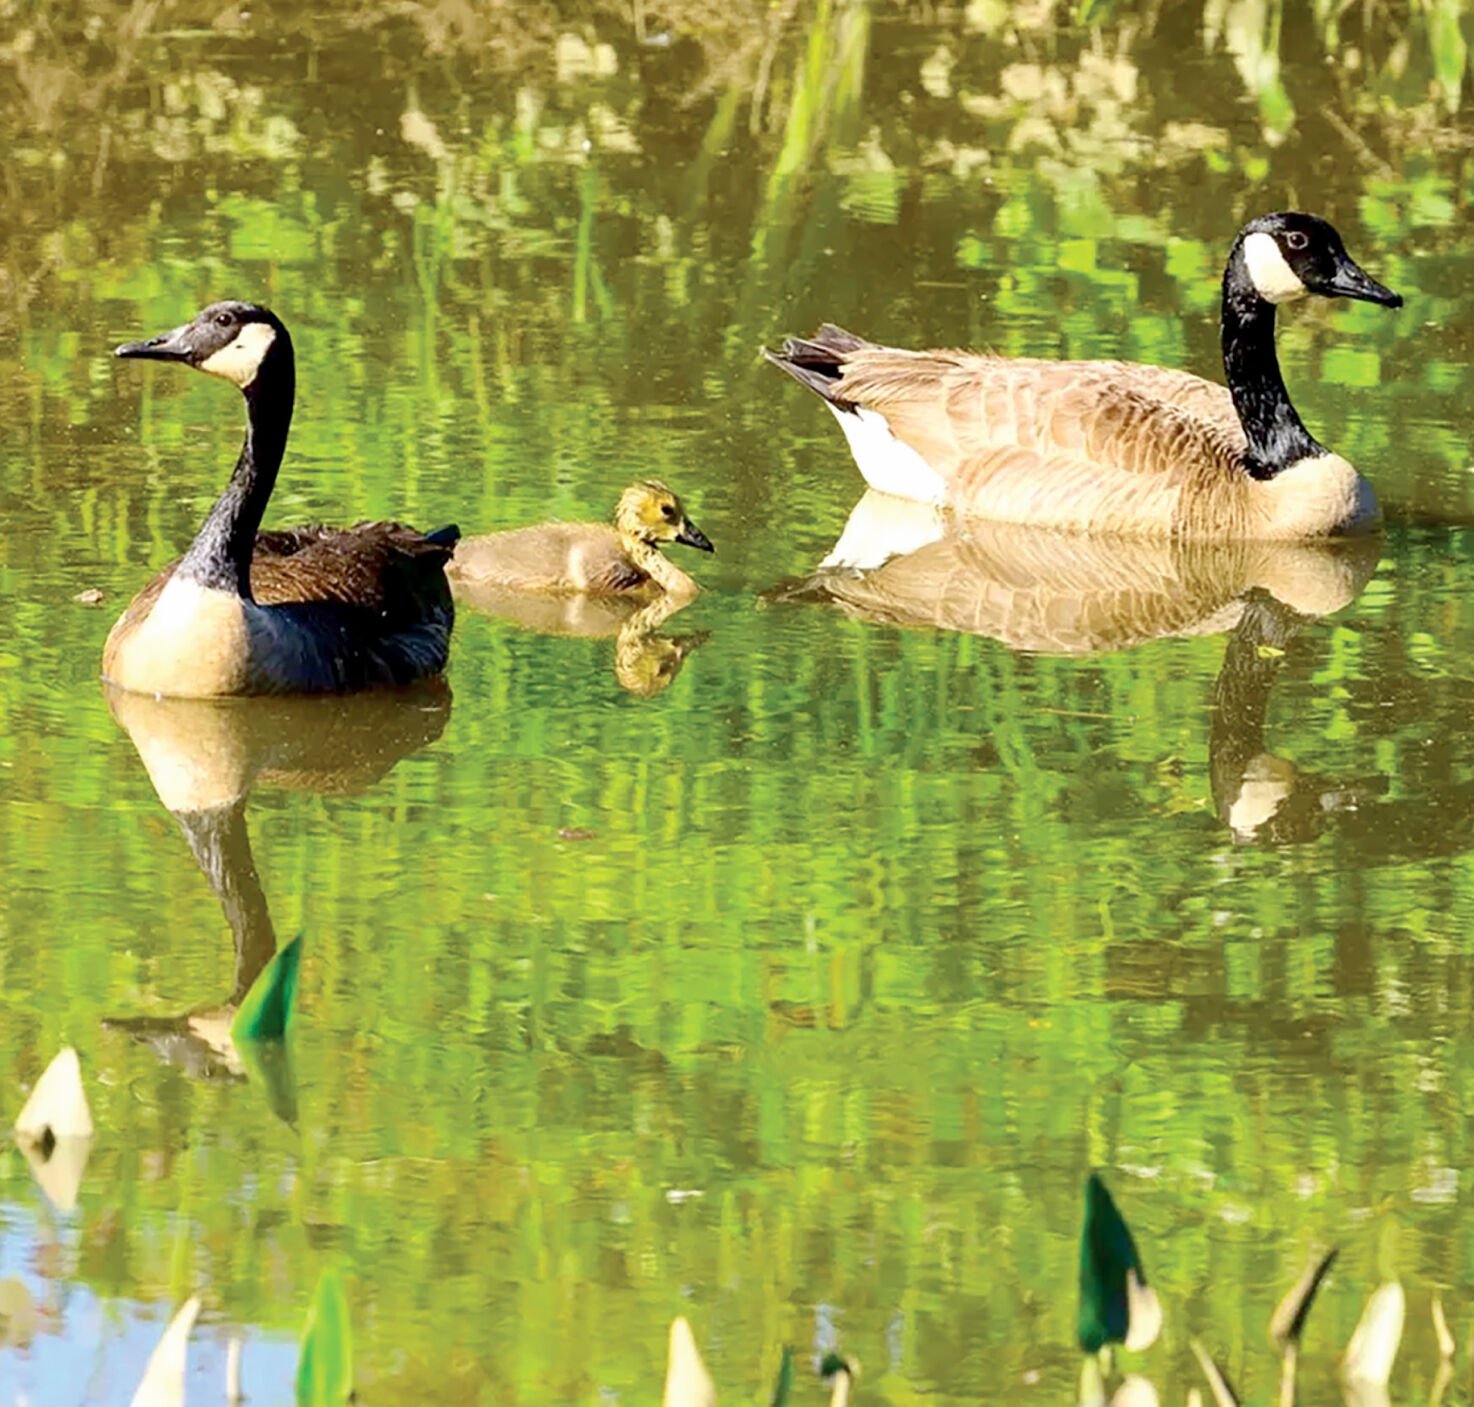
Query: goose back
331, 610
1103, 446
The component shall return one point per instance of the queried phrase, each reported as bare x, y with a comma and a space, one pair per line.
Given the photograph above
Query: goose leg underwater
1109, 446
305, 610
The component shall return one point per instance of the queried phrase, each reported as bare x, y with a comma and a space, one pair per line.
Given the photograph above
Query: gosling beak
692, 536
170, 346
1351, 281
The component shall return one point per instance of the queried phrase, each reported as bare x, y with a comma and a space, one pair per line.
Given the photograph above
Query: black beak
1350, 281
692, 536
166, 347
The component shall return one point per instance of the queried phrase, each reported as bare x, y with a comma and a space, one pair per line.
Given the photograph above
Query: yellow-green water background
881, 938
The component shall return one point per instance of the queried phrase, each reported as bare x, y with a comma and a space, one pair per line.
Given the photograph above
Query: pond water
790, 963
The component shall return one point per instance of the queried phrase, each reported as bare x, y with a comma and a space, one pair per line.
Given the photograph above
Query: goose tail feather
818, 361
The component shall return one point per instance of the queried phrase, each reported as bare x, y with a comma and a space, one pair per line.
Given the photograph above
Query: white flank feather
887, 463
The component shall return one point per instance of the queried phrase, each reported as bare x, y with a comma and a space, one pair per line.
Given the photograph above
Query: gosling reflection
646, 662
203, 757
905, 564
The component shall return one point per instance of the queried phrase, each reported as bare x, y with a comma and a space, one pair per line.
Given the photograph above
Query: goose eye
223, 319
1297, 239
667, 512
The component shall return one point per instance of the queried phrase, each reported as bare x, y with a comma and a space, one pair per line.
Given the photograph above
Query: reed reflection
203, 758
905, 564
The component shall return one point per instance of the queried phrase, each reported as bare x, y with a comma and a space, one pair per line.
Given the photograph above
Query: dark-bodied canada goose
307, 610
622, 559
1112, 446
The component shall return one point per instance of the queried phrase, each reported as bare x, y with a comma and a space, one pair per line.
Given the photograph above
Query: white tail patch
240, 359
1273, 278
888, 464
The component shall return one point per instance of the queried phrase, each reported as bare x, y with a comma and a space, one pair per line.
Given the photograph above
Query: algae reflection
907, 564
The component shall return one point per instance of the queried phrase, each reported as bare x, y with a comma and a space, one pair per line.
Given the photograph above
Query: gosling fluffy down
598, 559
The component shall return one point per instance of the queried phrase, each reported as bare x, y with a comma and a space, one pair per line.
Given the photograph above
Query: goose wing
1099, 445
384, 568
394, 571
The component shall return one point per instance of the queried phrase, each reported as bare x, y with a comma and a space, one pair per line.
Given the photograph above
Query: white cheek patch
1273, 279
240, 360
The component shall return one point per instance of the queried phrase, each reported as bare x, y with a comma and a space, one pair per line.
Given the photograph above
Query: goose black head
1289, 254
231, 340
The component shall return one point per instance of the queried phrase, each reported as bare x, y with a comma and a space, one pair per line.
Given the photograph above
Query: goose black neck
220, 556
1277, 437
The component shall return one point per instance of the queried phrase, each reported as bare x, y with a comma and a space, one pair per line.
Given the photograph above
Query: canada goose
308, 610
595, 558
1112, 446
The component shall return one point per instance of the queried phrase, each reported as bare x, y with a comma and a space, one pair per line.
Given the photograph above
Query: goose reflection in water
203, 757
645, 661
907, 564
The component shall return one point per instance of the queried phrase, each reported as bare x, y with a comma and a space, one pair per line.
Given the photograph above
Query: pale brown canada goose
598, 559
302, 611
1109, 446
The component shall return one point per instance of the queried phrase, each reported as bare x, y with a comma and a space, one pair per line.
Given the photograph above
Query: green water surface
797, 988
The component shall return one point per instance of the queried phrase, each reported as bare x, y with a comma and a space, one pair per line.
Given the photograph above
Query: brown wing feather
1099, 445
357, 566
380, 567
